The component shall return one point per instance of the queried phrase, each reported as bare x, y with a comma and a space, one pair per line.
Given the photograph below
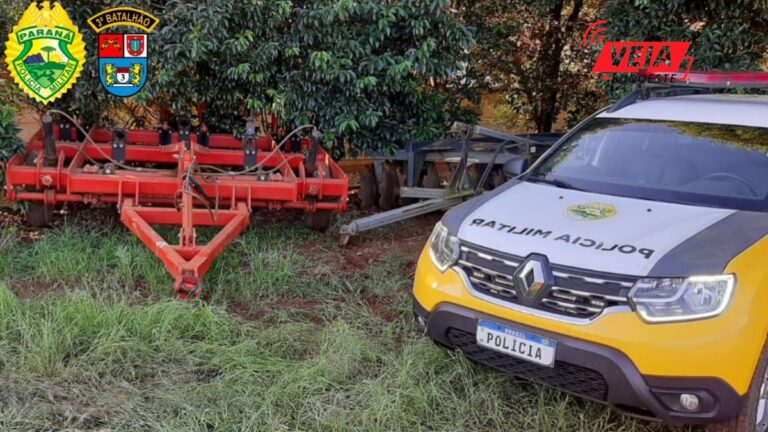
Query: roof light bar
718, 79
730, 79
697, 82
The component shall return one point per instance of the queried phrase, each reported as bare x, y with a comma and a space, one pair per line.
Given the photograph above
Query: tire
390, 182
39, 215
499, 179
368, 189
432, 179
747, 419
474, 176
320, 220
112, 217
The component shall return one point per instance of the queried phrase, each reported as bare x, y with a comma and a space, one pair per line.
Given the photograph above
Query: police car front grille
565, 376
573, 295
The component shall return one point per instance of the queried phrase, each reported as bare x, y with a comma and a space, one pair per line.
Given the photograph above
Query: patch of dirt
382, 308
10, 218
297, 303
264, 217
257, 311
369, 249
93, 217
354, 261
36, 289
26, 289
246, 311
103, 218
75, 412
14, 221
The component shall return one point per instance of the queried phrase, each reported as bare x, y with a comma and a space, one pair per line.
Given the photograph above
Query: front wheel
753, 416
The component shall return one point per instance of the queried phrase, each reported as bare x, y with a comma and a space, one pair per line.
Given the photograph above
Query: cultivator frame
180, 179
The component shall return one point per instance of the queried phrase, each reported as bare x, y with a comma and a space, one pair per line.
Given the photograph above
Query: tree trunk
546, 109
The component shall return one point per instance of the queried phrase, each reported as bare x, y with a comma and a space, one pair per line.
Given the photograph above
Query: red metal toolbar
184, 183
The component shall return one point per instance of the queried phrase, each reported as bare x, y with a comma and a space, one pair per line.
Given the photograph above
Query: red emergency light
715, 79
727, 79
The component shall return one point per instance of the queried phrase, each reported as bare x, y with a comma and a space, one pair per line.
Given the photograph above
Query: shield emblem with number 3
123, 62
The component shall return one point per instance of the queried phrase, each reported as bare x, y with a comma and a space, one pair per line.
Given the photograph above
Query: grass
92, 339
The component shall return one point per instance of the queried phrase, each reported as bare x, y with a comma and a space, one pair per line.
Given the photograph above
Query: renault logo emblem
533, 278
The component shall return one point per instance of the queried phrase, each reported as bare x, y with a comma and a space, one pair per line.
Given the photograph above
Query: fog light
689, 401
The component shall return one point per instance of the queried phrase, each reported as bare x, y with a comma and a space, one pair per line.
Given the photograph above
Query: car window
694, 163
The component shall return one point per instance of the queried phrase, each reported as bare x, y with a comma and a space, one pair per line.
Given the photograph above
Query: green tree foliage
10, 143
375, 73
380, 70
531, 52
223, 53
10, 96
725, 34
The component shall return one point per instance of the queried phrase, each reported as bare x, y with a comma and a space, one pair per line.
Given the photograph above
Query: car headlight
443, 247
682, 299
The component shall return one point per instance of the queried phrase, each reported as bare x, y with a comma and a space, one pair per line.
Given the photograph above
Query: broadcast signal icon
597, 36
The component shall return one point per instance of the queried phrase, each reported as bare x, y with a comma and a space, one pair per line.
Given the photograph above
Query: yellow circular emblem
45, 52
592, 211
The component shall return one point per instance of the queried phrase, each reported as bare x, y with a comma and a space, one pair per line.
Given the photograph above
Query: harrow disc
39, 215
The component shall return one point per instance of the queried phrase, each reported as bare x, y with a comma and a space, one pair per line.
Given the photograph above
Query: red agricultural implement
181, 179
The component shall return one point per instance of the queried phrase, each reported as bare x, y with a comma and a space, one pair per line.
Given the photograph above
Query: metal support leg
400, 214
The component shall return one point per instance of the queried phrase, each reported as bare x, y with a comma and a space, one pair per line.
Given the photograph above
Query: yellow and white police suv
629, 265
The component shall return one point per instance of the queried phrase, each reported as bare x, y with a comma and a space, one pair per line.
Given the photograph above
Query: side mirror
514, 167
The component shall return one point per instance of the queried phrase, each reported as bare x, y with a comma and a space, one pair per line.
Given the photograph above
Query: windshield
693, 163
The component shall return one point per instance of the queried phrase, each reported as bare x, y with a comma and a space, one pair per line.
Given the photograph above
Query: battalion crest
592, 211
123, 63
45, 52
123, 56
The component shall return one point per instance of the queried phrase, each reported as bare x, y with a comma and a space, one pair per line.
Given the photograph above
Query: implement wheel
368, 188
432, 179
39, 215
389, 187
320, 220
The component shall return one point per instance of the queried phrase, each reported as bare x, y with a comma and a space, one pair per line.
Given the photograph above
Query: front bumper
587, 369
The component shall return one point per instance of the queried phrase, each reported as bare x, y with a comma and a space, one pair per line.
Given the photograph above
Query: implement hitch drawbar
181, 179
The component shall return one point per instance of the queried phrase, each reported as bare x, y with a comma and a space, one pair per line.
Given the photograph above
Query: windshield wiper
556, 182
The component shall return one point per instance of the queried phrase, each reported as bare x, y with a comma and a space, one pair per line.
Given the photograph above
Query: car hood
586, 230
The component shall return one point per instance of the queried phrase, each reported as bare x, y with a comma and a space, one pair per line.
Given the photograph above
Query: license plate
516, 343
